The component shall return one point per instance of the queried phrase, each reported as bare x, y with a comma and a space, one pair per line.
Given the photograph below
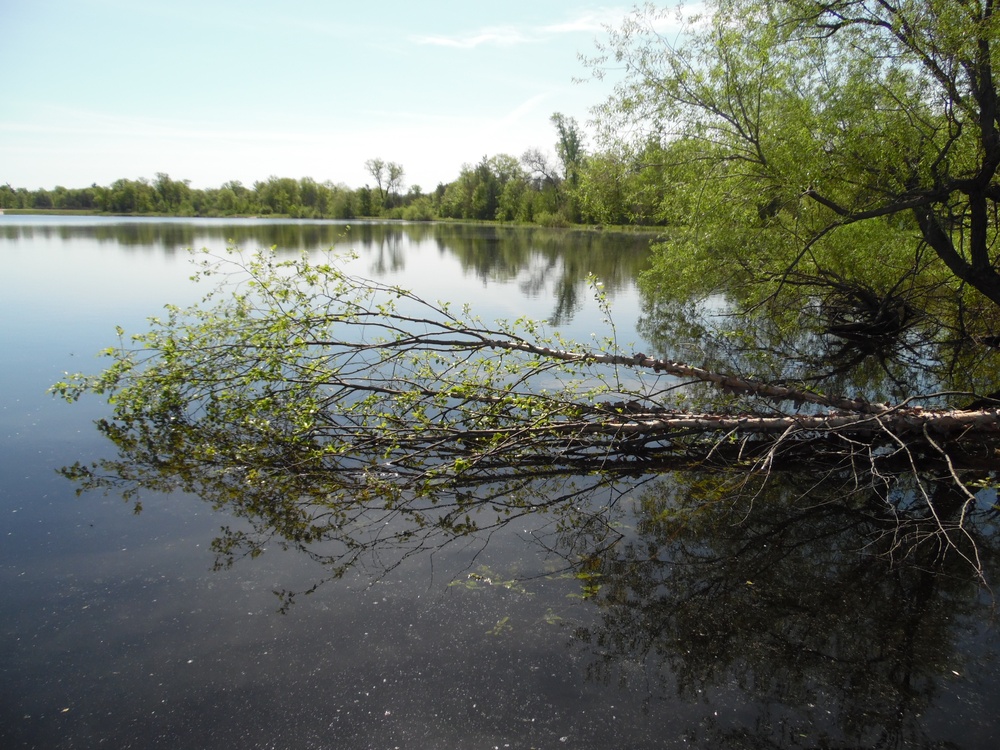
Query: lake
599, 623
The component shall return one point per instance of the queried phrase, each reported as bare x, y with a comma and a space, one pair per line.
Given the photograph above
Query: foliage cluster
293, 378
841, 154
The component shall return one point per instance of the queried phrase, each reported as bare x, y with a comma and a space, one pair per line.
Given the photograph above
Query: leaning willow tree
849, 147
833, 161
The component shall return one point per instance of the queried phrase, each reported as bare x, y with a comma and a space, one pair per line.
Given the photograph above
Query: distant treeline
574, 188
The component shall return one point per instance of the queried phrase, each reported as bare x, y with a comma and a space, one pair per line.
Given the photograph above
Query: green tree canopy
843, 142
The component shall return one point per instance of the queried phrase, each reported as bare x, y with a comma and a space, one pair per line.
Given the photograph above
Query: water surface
781, 629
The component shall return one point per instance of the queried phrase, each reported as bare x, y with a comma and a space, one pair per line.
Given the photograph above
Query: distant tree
394, 182
172, 194
540, 169
420, 209
343, 202
366, 201
624, 185
310, 194
603, 189
41, 199
279, 195
131, 197
569, 147
226, 201
388, 178
9, 197
479, 191
513, 184
376, 168
545, 182
73, 198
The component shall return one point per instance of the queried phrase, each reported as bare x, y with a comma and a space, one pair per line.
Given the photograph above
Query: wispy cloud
509, 36
590, 22
506, 36
523, 109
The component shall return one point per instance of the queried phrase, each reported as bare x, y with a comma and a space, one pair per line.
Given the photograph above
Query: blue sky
210, 91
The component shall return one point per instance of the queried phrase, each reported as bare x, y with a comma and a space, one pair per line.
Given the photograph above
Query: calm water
116, 630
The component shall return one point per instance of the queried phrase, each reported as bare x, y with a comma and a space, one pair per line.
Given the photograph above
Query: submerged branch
309, 394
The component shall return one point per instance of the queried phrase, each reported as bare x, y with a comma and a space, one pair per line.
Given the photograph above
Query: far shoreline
622, 228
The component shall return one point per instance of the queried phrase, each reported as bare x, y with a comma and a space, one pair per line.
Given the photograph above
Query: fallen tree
291, 370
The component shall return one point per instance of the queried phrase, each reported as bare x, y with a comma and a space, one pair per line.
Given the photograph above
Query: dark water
610, 625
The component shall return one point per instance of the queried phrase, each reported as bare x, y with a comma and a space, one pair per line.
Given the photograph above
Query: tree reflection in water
835, 613
826, 598
826, 605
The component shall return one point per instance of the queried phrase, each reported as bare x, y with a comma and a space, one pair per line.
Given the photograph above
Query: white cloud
594, 21
525, 108
507, 36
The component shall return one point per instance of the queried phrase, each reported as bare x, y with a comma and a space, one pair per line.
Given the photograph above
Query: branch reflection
825, 603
